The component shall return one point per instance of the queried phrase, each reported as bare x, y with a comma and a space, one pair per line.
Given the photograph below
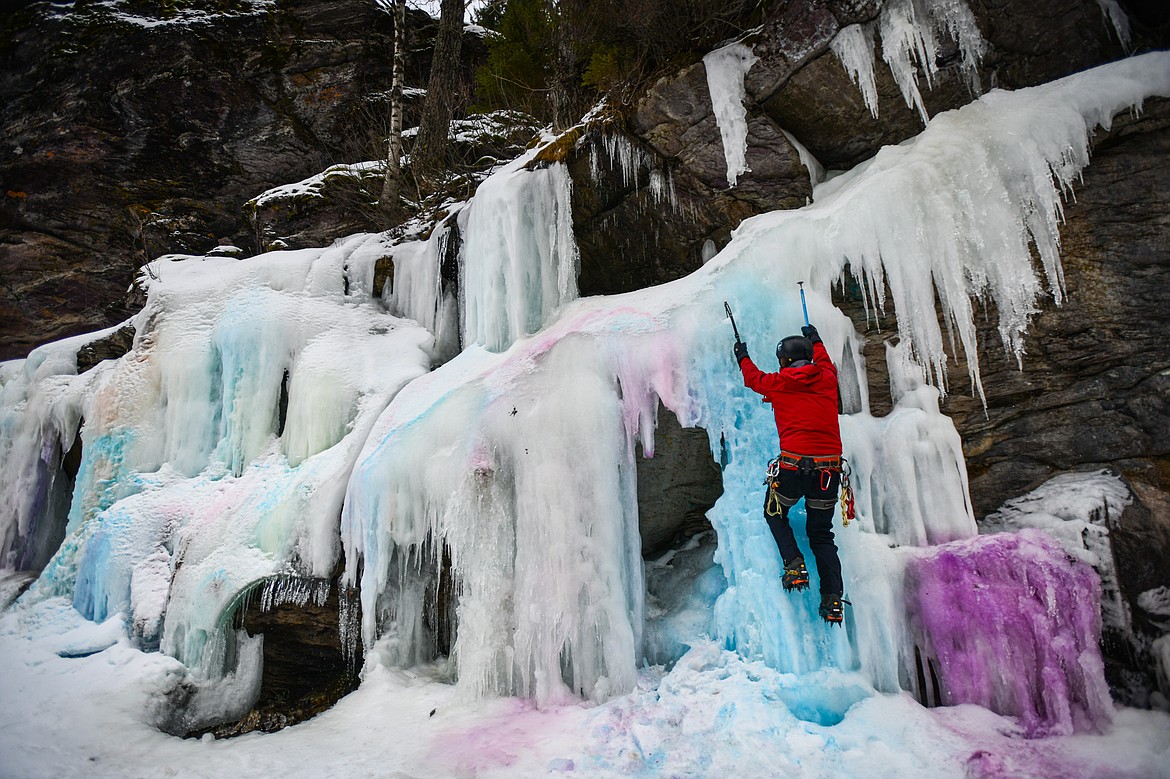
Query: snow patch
1077, 509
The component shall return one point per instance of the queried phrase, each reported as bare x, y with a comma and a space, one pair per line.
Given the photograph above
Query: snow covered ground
68, 713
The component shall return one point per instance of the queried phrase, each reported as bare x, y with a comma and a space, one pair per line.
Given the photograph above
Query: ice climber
803, 394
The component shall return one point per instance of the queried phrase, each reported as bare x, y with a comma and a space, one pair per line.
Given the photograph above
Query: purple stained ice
1013, 624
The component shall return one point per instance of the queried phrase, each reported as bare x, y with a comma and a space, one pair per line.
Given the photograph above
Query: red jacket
804, 400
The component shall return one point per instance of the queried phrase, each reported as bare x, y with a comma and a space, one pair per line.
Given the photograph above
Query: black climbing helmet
793, 348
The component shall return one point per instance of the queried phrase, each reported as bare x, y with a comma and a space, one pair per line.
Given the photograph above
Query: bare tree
429, 154
392, 183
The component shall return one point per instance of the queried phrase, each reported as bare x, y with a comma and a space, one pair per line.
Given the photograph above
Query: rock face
631, 236
1094, 391
305, 665
342, 199
676, 487
128, 131
801, 84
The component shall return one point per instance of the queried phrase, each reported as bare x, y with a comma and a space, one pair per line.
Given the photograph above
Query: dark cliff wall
1095, 389
128, 131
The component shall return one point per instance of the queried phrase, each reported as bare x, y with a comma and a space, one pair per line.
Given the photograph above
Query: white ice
191, 485
519, 257
488, 436
726, 68
854, 47
911, 34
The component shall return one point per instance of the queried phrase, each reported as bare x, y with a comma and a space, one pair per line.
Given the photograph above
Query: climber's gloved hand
810, 332
740, 351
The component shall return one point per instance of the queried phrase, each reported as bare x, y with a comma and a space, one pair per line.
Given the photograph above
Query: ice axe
803, 305
734, 329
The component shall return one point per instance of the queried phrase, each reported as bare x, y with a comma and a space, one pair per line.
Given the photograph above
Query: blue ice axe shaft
803, 305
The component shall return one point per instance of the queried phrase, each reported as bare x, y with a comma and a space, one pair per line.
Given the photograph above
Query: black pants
820, 487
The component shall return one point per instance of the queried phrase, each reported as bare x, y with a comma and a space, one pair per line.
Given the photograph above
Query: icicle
910, 32
657, 186
1119, 20
626, 157
594, 164
629, 159
349, 626
854, 48
293, 590
726, 69
907, 43
816, 171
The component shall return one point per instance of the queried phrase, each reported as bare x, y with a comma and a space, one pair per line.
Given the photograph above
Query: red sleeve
822, 359
765, 383
751, 374
758, 381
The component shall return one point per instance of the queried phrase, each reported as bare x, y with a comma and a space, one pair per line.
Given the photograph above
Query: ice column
726, 68
519, 258
1014, 624
40, 412
528, 486
419, 291
1116, 17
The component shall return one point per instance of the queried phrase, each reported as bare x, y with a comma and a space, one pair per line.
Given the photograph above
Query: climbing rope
773, 507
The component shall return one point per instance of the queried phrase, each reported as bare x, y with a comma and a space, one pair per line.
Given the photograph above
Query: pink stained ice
1013, 624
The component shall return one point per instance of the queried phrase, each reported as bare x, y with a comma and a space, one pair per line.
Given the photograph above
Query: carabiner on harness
848, 507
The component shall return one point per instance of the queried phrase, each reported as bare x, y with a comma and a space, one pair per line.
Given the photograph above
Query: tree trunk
392, 182
429, 155
574, 23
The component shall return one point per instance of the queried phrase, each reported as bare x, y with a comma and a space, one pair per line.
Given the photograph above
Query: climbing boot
832, 608
795, 575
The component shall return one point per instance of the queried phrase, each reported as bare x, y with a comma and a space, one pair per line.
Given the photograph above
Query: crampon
795, 575
833, 609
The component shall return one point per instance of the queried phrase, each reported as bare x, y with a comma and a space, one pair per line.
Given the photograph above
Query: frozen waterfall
273, 419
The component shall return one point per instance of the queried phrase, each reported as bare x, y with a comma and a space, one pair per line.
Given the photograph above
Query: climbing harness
805, 463
825, 466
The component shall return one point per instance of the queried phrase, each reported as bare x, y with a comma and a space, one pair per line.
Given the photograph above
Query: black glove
740, 351
810, 332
